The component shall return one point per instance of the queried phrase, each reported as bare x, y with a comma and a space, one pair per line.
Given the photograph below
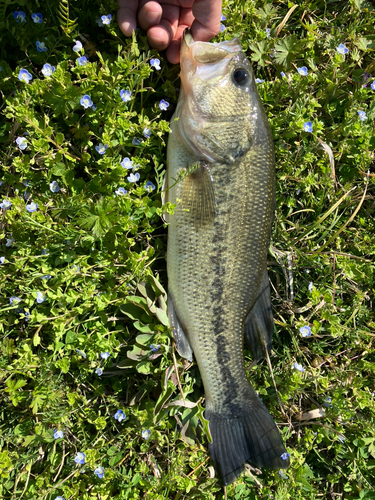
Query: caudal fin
252, 437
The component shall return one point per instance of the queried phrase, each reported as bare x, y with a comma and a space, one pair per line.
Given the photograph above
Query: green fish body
220, 172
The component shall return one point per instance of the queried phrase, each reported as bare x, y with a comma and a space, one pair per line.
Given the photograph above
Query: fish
221, 177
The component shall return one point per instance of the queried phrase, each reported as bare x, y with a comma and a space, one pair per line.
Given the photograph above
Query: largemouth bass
220, 172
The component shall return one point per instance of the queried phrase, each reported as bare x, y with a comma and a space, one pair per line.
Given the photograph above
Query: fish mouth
207, 52
202, 57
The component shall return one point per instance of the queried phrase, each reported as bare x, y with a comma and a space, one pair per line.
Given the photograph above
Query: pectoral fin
259, 324
198, 198
231, 145
182, 343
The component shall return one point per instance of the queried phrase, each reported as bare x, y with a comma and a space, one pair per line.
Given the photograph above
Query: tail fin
251, 437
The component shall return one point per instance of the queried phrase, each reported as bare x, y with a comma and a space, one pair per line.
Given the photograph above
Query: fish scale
221, 177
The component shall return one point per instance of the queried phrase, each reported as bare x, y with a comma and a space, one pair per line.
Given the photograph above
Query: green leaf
59, 169
162, 316
144, 367
70, 337
59, 138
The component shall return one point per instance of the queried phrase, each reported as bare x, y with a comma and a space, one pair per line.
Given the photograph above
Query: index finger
127, 16
207, 15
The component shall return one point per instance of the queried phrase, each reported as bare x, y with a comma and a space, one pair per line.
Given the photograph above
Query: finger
127, 16
173, 50
160, 36
149, 14
207, 15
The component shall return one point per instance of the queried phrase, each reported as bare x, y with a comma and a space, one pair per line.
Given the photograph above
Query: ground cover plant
95, 401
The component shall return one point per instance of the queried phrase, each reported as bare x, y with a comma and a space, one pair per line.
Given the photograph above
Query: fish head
219, 105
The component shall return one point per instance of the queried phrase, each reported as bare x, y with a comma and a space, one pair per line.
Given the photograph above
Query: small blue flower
223, 18
37, 18
81, 353
147, 132
101, 148
104, 355
362, 116
26, 183
308, 127
19, 15
222, 28
106, 19
99, 371
328, 402
146, 434
45, 251
25, 76
285, 456
76, 268
163, 105
302, 71
155, 63
14, 300
133, 177
283, 75
100, 22
310, 287
21, 143
154, 347
82, 61
32, 207
149, 186
80, 458
127, 163
99, 471
58, 434
125, 95
373, 85
305, 331
341, 49
282, 474
59, 498
268, 31
341, 438
41, 46
10, 240
86, 101
48, 70
121, 191
46, 277
5, 204
119, 416
27, 196
78, 46
298, 367
54, 187
136, 141
2, 260
258, 80
94, 108
40, 297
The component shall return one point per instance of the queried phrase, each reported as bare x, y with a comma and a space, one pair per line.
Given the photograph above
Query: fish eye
240, 76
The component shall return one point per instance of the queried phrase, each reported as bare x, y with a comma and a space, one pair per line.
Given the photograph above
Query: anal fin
182, 343
259, 324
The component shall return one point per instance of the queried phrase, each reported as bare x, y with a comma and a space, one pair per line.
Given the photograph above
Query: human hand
166, 20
